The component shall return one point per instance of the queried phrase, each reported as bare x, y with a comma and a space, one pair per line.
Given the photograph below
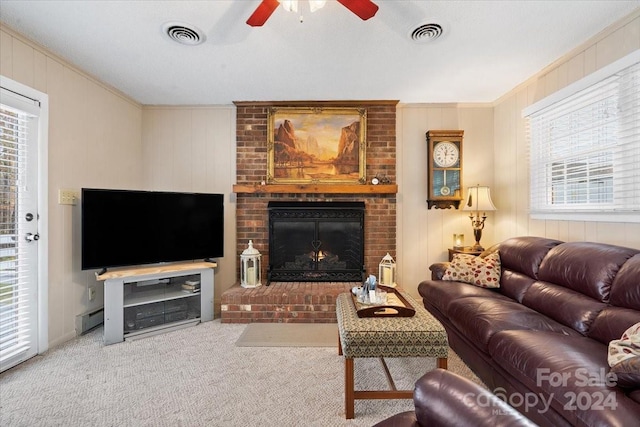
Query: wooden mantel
316, 188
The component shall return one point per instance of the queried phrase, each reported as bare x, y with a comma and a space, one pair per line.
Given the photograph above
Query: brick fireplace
284, 301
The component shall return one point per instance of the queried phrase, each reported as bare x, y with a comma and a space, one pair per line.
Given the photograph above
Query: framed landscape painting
316, 145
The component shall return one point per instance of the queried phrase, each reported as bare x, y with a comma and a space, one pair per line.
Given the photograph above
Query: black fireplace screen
316, 241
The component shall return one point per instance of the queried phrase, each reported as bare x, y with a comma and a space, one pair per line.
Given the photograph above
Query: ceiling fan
365, 9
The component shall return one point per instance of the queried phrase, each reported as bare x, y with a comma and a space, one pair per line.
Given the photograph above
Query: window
585, 147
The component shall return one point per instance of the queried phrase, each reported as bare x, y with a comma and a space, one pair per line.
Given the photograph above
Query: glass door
19, 236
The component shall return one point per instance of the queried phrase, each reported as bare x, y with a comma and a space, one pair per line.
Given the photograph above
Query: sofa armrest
403, 419
438, 269
442, 398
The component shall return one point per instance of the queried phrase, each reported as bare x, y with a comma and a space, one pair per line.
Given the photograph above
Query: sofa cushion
524, 254
611, 323
482, 272
625, 290
585, 267
478, 319
564, 305
440, 294
571, 370
514, 284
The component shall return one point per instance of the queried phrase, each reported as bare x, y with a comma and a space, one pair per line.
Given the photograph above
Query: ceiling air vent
183, 33
426, 32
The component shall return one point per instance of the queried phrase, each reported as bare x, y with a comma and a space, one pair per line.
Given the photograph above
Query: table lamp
478, 200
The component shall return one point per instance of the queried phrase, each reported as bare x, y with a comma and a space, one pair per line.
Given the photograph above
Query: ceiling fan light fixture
316, 4
289, 5
364, 9
292, 5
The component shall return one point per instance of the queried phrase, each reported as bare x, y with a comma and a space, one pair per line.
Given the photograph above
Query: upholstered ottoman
418, 336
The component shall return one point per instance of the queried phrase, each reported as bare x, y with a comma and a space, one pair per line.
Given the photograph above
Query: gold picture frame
316, 145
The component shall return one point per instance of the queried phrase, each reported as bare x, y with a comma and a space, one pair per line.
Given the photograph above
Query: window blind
585, 150
16, 312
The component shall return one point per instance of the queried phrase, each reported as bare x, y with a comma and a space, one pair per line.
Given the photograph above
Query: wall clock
445, 168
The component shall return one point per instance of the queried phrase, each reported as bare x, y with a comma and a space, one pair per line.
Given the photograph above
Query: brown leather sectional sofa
541, 339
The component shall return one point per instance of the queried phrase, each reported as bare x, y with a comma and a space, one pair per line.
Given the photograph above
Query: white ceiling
488, 47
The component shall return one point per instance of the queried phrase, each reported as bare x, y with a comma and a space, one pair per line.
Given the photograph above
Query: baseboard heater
89, 320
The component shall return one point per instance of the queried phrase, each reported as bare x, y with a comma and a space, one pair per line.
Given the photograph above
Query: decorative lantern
387, 271
250, 268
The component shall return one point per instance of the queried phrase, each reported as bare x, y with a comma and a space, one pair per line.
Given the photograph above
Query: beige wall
425, 234
194, 149
510, 150
94, 141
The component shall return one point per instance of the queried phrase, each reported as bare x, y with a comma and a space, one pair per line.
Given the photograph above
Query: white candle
386, 276
251, 276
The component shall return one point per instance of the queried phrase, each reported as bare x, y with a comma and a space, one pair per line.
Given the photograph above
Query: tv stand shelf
151, 300
170, 292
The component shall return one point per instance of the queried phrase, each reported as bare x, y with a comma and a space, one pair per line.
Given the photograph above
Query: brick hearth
284, 302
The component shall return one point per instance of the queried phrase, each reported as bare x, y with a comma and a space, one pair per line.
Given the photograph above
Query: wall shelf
316, 188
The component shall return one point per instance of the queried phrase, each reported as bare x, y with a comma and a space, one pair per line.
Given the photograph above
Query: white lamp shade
479, 200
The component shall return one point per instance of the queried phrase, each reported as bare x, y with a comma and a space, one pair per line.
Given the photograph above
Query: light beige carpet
289, 335
198, 377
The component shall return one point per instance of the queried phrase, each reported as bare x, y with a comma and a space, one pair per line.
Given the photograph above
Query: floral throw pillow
624, 357
482, 272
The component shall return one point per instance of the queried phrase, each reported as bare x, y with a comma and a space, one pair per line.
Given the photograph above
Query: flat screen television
129, 227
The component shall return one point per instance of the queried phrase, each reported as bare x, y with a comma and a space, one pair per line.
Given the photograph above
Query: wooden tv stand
151, 300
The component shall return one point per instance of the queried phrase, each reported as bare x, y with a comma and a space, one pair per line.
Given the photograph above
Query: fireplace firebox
316, 241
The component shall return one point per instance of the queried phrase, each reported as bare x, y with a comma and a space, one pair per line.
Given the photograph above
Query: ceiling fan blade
365, 9
262, 13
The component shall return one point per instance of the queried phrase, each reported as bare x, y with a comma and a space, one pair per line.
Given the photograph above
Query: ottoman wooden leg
349, 393
442, 362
